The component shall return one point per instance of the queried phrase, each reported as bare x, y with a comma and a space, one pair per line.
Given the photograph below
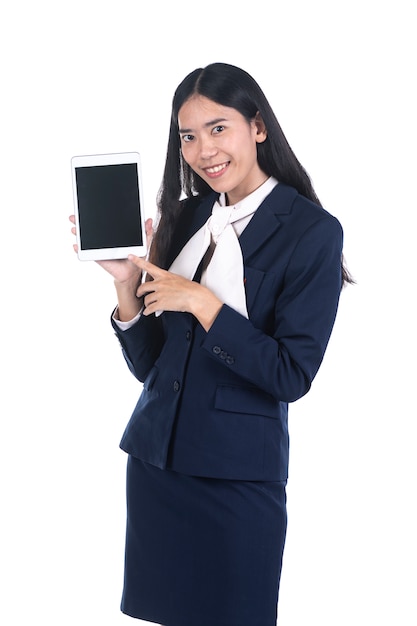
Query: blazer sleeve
284, 362
141, 344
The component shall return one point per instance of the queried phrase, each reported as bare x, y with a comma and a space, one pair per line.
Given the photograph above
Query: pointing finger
146, 266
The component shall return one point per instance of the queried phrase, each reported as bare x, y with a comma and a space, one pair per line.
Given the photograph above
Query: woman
230, 325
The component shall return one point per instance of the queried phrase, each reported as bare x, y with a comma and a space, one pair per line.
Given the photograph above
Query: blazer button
230, 360
176, 386
223, 354
216, 350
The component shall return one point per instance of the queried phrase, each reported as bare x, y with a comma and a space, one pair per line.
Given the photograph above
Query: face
219, 144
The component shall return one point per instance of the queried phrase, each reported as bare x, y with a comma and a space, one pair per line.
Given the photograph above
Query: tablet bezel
91, 160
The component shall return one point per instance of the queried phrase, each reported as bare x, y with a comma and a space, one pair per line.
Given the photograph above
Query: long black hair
232, 87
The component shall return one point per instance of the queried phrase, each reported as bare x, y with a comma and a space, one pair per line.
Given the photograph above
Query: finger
149, 300
145, 289
72, 218
148, 226
147, 266
150, 305
149, 231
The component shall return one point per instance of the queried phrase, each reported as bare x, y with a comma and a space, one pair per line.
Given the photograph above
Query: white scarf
224, 275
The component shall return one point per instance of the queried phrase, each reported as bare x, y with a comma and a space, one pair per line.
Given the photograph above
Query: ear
261, 132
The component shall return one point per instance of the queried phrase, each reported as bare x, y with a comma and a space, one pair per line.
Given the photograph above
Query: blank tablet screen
109, 206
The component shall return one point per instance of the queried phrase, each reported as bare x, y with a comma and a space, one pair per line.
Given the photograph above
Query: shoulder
297, 211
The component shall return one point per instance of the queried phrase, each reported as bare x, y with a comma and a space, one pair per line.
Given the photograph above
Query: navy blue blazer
216, 403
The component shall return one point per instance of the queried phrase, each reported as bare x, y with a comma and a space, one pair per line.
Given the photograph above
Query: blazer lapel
266, 222
263, 225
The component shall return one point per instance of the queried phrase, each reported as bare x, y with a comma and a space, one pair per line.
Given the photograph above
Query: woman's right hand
122, 270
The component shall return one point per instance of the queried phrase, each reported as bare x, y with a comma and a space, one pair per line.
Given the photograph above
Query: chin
218, 185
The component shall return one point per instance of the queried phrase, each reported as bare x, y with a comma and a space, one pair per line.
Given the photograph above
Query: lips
216, 170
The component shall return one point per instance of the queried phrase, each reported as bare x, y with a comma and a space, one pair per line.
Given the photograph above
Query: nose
207, 147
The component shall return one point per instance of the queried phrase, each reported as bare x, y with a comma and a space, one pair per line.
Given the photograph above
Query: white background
90, 77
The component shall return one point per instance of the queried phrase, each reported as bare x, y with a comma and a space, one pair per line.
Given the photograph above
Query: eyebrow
206, 125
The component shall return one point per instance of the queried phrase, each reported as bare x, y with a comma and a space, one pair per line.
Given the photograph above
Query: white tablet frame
102, 254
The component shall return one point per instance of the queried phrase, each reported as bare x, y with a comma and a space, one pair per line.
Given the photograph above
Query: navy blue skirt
202, 551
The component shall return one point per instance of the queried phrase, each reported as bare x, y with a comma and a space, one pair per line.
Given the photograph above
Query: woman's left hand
171, 292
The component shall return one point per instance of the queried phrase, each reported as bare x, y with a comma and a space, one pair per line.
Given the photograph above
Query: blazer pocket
246, 400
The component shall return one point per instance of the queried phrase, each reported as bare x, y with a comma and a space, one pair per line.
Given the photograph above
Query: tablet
108, 205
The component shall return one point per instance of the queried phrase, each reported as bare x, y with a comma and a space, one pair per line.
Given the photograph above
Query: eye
218, 129
187, 138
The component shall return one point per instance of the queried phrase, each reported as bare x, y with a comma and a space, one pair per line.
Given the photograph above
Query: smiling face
219, 145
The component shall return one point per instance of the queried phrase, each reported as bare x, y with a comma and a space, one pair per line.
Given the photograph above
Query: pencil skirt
202, 551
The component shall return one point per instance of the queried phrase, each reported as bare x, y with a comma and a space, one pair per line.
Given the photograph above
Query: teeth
214, 170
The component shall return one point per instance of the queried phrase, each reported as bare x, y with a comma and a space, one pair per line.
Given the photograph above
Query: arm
145, 336
285, 361
141, 344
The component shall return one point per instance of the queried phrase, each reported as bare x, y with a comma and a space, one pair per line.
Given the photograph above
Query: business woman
225, 324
